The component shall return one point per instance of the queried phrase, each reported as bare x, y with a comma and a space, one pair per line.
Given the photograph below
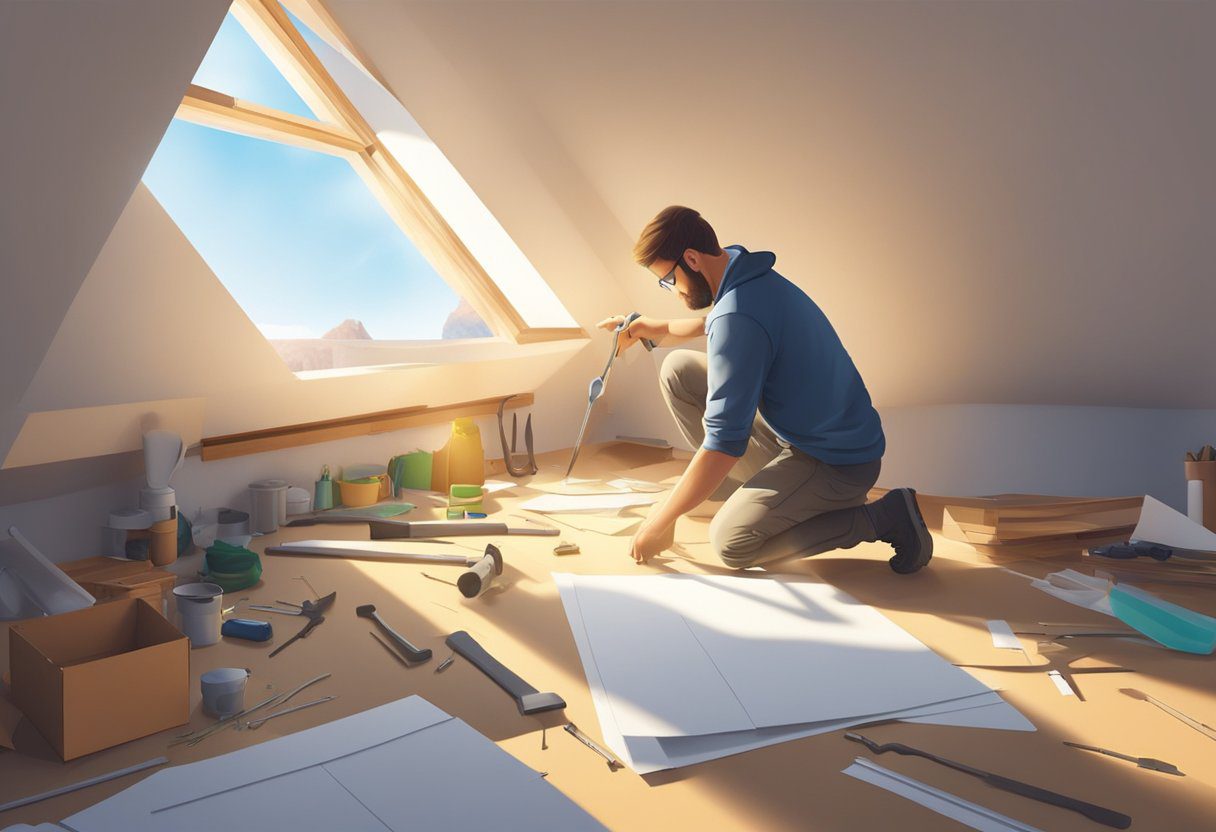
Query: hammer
481, 575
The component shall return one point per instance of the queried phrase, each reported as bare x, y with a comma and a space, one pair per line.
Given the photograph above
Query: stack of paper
576, 487
402, 766
607, 503
688, 668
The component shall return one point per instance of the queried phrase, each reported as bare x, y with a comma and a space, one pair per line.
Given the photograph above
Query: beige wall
995, 202
86, 90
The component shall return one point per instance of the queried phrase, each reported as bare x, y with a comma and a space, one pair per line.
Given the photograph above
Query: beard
699, 296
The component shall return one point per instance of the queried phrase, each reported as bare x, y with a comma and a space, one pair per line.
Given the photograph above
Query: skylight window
340, 253
446, 188
302, 245
236, 66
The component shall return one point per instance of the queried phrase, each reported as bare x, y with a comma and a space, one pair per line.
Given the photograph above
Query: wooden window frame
347, 134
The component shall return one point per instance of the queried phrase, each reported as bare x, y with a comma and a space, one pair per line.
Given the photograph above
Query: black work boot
897, 520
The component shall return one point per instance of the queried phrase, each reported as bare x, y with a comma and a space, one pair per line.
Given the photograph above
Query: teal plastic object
184, 535
323, 493
1167, 624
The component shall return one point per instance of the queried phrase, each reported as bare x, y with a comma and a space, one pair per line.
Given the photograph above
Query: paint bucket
224, 691
268, 499
200, 606
360, 493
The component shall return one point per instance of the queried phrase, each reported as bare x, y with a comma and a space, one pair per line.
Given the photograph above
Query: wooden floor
792, 786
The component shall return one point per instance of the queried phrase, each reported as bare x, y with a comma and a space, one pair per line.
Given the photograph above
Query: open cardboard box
100, 676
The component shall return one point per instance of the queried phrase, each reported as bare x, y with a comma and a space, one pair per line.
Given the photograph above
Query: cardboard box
101, 676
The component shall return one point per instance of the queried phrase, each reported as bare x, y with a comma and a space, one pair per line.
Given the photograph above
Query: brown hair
675, 230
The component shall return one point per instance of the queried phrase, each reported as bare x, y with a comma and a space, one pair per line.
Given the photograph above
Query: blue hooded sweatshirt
771, 347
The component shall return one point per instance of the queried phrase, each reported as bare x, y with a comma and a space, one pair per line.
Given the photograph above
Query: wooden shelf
367, 424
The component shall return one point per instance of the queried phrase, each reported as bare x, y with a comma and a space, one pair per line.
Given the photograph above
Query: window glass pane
236, 66
465, 213
304, 247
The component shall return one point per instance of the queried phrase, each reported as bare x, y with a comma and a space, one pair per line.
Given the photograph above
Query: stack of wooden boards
1185, 569
112, 579
1017, 526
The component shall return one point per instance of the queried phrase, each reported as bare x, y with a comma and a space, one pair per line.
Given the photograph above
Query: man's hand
643, 327
705, 473
651, 539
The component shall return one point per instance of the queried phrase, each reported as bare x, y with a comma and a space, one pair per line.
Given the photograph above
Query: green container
416, 470
231, 567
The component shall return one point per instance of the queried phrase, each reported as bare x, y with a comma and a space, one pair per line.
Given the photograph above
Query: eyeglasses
668, 281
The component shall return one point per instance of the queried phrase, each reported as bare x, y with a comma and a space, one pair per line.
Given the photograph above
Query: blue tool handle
247, 628
646, 342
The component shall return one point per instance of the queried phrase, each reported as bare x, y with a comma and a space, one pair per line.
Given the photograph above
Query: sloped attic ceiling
152, 332
994, 202
86, 90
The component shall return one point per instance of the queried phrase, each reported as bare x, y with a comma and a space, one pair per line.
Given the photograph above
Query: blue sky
294, 235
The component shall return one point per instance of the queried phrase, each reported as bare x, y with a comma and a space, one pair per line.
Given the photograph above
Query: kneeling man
785, 430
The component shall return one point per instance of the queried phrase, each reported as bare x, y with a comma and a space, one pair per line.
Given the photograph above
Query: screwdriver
1143, 762
573, 730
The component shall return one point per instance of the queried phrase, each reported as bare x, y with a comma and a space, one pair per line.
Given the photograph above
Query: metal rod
389, 648
254, 724
83, 784
440, 580
195, 737
315, 595
1206, 730
613, 762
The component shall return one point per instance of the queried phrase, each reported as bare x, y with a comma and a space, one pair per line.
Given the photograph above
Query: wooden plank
111, 579
535, 335
223, 112
1073, 544
310, 433
991, 511
1013, 529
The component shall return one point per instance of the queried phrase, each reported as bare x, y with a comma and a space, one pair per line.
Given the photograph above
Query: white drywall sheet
404, 765
686, 668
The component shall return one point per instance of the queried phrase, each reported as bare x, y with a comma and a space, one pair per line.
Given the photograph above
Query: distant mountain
348, 330
463, 322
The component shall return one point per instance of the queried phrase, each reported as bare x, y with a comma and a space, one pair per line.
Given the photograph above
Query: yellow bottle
461, 460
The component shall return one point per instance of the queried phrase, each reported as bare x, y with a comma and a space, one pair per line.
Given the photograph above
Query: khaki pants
780, 502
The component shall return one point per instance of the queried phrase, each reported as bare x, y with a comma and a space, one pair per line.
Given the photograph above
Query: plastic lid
271, 485
198, 591
224, 675
130, 518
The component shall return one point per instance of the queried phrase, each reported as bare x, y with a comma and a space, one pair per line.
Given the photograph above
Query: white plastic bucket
201, 609
224, 691
268, 499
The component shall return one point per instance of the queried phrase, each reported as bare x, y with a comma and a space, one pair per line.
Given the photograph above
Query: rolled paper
1194, 500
